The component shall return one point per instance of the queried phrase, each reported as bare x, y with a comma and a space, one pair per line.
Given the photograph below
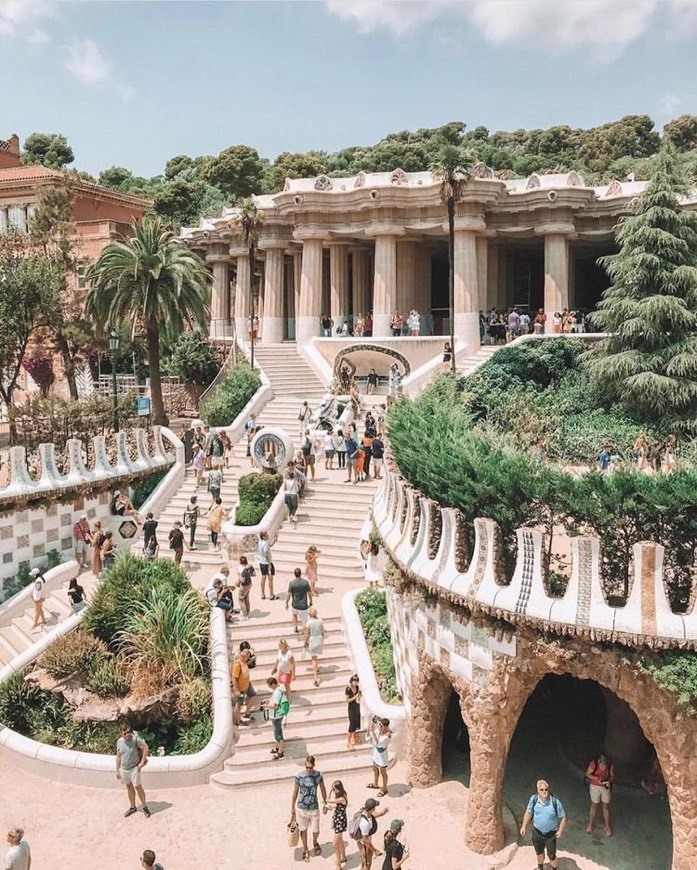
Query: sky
134, 82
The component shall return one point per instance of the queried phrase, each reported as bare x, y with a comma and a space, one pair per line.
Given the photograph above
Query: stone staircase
465, 364
16, 633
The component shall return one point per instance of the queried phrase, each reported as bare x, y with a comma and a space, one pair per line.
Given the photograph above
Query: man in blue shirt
548, 822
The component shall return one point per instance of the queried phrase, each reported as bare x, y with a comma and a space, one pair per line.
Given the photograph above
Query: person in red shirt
600, 776
83, 537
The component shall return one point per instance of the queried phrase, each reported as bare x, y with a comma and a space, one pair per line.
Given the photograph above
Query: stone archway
370, 351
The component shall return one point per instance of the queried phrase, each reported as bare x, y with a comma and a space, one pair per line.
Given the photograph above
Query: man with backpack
362, 828
548, 822
309, 449
278, 707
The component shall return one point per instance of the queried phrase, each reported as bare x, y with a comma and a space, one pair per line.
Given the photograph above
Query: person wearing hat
380, 736
82, 536
395, 853
368, 826
605, 457
38, 596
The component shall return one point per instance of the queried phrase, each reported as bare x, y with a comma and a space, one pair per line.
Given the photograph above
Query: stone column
272, 326
556, 267
242, 287
482, 272
385, 278
492, 278
297, 279
308, 311
466, 302
3, 220
423, 264
406, 279
339, 283
359, 262
220, 295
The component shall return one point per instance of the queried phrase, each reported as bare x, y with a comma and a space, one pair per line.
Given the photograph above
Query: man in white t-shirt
18, 856
368, 827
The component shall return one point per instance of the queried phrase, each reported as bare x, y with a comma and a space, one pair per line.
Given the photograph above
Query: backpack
176, 539
283, 708
354, 827
307, 447
554, 806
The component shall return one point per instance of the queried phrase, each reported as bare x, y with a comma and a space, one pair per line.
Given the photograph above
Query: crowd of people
501, 326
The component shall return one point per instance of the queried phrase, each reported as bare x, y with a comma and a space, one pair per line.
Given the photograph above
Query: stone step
282, 771
258, 735
10, 647
322, 747
333, 639
275, 628
334, 654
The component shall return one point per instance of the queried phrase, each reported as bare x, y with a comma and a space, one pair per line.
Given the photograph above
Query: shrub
86, 736
146, 486
256, 493
106, 678
17, 699
195, 699
194, 737
231, 396
23, 579
71, 653
371, 605
192, 359
675, 671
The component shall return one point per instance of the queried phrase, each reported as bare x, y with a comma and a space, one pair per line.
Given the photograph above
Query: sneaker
146, 812
129, 812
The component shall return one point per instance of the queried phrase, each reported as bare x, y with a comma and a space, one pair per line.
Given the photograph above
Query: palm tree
151, 281
453, 179
247, 225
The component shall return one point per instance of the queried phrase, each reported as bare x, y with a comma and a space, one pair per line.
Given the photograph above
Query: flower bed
371, 605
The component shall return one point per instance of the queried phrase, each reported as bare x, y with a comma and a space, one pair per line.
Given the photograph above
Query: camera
376, 720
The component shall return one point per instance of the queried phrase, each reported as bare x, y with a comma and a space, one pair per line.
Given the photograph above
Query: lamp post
113, 348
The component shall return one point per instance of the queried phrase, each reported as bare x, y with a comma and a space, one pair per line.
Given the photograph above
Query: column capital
238, 251
468, 223
218, 258
556, 228
310, 234
273, 245
383, 229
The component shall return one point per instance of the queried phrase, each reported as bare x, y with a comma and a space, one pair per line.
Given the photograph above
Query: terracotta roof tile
24, 173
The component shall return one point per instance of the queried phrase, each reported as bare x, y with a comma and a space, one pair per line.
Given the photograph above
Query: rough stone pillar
272, 326
407, 297
359, 262
309, 310
384, 283
556, 275
625, 741
430, 695
466, 288
220, 295
242, 290
339, 283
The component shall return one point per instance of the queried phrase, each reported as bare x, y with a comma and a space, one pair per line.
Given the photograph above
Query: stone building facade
378, 242
459, 625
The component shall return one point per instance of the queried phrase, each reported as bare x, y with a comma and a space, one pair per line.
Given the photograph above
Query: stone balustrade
422, 538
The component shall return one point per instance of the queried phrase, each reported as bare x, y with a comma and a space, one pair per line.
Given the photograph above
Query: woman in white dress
314, 641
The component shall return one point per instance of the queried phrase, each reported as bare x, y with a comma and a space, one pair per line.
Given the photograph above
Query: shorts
81, 547
378, 463
284, 678
307, 820
310, 460
130, 776
242, 698
547, 841
329, 454
301, 614
217, 461
215, 491
267, 569
277, 730
600, 794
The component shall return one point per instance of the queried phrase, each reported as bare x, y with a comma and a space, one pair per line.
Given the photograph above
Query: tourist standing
291, 497
338, 799
328, 450
304, 807
311, 568
191, 514
368, 826
604, 458
244, 691
244, 583
539, 322
395, 380
215, 482
314, 641
378, 450
131, 758
176, 542
38, 596
82, 537
217, 453
277, 706
304, 417
309, 453
299, 599
285, 666
198, 463
367, 445
600, 775
216, 514
351, 456
108, 551
326, 323
396, 322
148, 861
77, 596
149, 528
395, 852
380, 736
372, 382
18, 856
353, 698
266, 566
548, 822
97, 539
340, 447
152, 549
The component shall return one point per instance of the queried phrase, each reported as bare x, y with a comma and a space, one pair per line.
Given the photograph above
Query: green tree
297, 165
238, 171
650, 310
180, 199
453, 179
114, 177
176, 165
247, 225
192, 359
151, 281
682, 132
48, 149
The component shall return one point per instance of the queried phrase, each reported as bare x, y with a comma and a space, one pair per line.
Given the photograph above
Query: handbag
293, 834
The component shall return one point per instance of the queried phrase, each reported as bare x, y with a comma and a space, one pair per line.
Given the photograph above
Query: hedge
231, 395
256, 493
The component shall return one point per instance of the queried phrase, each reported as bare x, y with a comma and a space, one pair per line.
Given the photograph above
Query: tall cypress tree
649, 359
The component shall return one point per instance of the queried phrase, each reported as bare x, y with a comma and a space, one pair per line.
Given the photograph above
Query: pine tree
649, 359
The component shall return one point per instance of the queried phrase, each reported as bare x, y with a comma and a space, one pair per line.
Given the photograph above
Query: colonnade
16, 217
389, 272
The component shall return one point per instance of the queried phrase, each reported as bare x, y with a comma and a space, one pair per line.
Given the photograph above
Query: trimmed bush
257, 492
371, 605
17, 699
72, 653
231, 396
146, 486
105, 677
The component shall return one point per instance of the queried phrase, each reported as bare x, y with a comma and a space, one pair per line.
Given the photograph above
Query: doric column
359, 274
3, 220
242, 286
272, 327
492, 278
406, 279
339, 282
556, 267
310, 303
482, 272
466, 301
423, 266
385, 276
220, 293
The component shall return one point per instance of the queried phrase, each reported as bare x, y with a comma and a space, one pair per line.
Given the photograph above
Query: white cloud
19, 16
607, 27
38, 37
87, 63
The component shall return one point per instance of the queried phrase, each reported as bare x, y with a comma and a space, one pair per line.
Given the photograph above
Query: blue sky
133, 83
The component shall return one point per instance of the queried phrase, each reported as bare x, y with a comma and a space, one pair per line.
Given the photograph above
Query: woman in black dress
353, 697
77, 596
339, 800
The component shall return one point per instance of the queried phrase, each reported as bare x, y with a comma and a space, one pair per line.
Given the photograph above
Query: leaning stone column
242, 288
308, 312
272, 327
220, 295
339, 282
467, 280
385, 279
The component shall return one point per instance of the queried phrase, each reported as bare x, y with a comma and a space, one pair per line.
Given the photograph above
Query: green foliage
371, 605
47, 149
192, 359
256, 491
290, 165
105, 677
130, 581
195, 699
231, 395
17, 699
650, 310
72, 653
675, 671
114, 177
23, 579
193, 738
146, 486
238, 171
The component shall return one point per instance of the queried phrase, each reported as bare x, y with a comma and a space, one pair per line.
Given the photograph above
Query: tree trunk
159, 417
451, 280
68, 364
